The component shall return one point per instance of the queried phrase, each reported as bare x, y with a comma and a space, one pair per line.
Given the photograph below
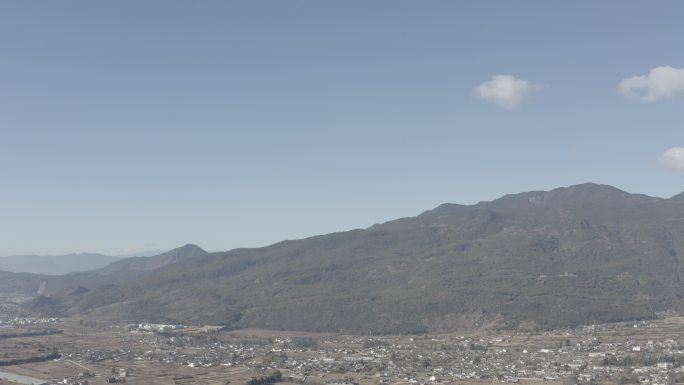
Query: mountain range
576, 255
64, 264
55, 264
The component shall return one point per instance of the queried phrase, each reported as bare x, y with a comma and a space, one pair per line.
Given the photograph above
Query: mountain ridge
582, 254
153, 262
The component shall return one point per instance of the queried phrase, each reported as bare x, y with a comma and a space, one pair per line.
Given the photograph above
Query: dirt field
139, 373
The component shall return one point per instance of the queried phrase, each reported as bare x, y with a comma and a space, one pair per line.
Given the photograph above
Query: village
646, 352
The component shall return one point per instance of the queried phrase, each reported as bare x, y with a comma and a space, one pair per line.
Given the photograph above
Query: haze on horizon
129, 126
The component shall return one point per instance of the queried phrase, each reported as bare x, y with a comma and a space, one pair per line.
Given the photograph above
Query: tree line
18, 361
276, 376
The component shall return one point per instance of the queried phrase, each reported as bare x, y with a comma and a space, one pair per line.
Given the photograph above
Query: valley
95, 352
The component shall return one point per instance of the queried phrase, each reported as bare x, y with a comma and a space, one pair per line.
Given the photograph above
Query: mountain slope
587, 253
139, 264
119, 273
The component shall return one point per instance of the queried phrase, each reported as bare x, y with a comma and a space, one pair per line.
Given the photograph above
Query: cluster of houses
11, 315
28, 321
580, 356
149, 327
639, 353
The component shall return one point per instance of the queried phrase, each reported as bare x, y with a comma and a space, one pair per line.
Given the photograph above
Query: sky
137, 125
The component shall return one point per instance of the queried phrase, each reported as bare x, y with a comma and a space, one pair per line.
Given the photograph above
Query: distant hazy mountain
69, 263
582, 254
144, 264
55, 265
118, 272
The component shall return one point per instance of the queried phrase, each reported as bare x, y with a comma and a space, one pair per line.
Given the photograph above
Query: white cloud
662, 83
505, 91
673, 158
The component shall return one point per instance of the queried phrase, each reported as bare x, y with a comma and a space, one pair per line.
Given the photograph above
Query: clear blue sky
134, 125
